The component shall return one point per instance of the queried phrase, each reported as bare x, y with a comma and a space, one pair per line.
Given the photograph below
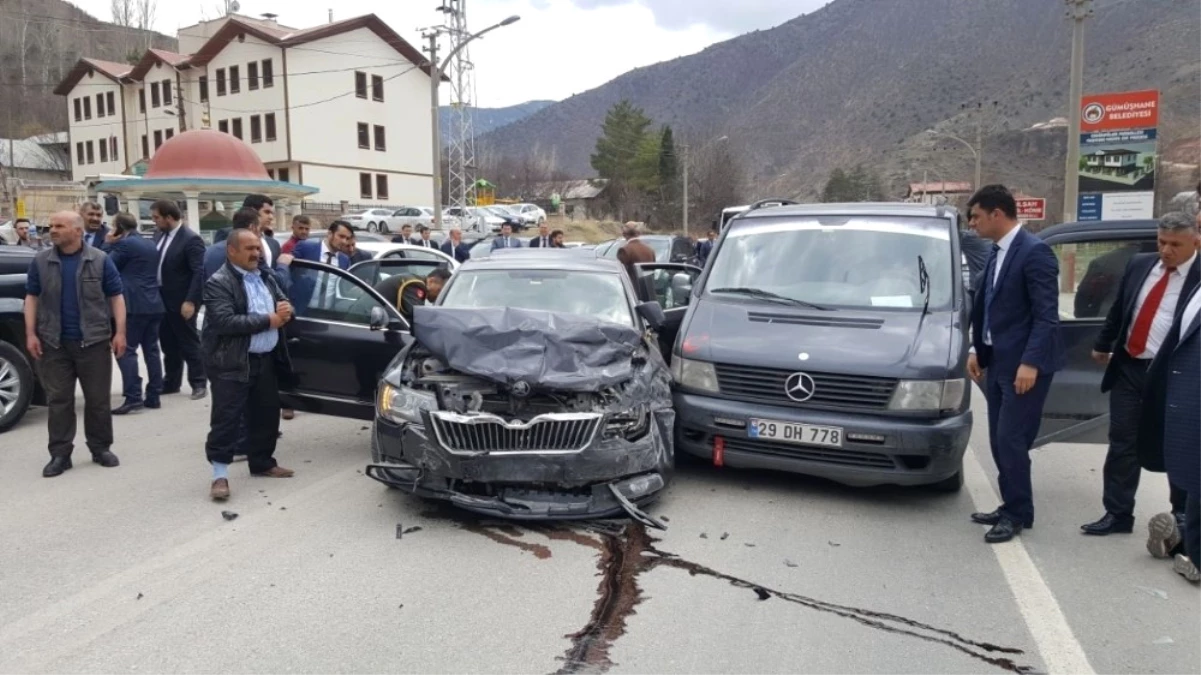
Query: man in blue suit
137, 260
1016, 350
704, 248
95, 233
506, 238
215, 254
330, 250
454, 246
1182, 439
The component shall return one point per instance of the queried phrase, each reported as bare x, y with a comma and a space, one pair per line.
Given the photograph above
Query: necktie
162, 249
990, 289
1137, 344
543, 242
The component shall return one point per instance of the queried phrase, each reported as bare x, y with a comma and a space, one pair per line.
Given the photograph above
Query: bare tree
124, 13
717, 180
146, 10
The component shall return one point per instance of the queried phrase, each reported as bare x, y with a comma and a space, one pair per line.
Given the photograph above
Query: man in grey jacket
74, 324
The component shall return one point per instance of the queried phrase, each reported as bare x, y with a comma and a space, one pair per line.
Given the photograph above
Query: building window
87, 107
158, 139
381, 186
380, 140
112, 150
204, 88
221, 82
145, 147
103, 152
99, 105
364, 136
170, 134
360, 84
78, 110
268, 74
235, 80
365, 185
256, 128
166, 92
252, 75
223, 126
112, 108
90, 147
79, 152
155, 101
237, 127
142, 99
377, 87
269, 122
282, 176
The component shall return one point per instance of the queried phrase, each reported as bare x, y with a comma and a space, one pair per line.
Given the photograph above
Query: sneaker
1162, 535
219, 491
1185, 568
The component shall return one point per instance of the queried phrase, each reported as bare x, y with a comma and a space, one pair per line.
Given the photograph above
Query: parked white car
372, 220
530, 213
386, 251
474, 219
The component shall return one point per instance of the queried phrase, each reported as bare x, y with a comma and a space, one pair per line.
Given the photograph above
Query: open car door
669, 284
1092, 259
341, 340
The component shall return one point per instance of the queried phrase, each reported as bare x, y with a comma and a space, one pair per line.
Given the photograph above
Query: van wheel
948, 485
16, 385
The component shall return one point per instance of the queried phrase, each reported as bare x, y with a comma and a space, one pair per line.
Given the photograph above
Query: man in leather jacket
245, 354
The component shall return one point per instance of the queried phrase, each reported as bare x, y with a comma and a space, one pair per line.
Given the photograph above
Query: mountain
860, 81
489, 119
40, 43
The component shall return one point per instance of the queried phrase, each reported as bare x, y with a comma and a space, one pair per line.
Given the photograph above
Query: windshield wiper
923, 279
768, 295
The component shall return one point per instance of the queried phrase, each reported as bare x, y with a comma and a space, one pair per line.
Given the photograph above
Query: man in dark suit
137, 261
215, 254
633, 251
94, 231
330, 250
454, 246
1181, 358
266, 208
543, 239
506, 238
423, 237
356, 254
1016, 350
704, 248
1152, 293
181, 260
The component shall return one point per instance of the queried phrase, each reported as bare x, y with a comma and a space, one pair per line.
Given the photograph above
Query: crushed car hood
551, 350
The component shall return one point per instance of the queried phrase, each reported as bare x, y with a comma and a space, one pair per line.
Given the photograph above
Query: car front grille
766, 385
553, 433
865, 460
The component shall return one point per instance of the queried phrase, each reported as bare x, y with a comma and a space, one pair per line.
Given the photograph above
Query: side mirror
681, 286
379, 318
652, 314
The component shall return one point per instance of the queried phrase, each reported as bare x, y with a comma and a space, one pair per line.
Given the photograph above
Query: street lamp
435, 124
974, 148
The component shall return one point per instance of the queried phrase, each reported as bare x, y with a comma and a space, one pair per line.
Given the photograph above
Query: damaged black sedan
534, 389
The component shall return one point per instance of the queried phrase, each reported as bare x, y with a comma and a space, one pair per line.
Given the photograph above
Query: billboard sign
1118, 155
1032, 208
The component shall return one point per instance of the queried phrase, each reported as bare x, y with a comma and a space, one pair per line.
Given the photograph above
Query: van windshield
838, 262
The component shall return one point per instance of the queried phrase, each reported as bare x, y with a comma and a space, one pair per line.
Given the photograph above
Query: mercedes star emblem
800, 387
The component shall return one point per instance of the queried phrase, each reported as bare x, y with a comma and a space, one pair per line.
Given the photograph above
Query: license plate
800, 434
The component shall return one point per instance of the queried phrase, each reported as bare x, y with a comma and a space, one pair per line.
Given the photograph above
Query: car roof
549, 259
1100, 226
851, 209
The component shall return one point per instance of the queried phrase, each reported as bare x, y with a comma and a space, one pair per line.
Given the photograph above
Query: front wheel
372, 228
16, 385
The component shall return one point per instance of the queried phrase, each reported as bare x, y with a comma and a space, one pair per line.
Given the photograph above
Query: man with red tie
1152, 293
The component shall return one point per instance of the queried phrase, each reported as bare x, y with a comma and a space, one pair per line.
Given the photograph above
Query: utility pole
1078, 11
979, 154
684, 153
436, 130
179, 104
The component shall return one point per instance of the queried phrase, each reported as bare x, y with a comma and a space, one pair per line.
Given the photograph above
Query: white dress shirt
1167, 307
267, 252
163, 245
1191, 310
1004, 246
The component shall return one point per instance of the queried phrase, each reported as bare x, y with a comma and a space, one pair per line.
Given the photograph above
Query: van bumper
877, 450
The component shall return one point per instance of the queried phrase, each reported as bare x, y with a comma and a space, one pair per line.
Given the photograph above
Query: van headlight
699, 375
401, 404
928, 395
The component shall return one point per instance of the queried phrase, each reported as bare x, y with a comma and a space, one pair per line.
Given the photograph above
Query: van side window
1091, 272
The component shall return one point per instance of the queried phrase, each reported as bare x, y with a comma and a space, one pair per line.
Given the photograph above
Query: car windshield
838, 261
597, 294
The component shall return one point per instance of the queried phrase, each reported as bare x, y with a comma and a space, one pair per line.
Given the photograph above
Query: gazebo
206, 164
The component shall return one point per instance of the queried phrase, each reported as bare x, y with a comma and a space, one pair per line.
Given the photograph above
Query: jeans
142, 330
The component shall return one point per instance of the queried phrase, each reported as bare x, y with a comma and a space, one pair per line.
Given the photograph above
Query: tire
372, 228
949, 485
16, 385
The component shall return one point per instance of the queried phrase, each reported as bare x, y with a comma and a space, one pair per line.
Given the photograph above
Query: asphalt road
133, 570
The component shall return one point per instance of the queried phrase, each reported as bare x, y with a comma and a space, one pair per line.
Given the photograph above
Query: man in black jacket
180, 260
245, 353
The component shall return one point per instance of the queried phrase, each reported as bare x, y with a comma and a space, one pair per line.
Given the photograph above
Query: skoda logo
800, 387
520, 389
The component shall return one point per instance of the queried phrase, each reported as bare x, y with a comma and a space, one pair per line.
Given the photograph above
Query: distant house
37, 158
943, 192
578, 199
1111, 162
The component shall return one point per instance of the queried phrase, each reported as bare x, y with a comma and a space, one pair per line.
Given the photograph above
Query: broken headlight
401, 404
631, 425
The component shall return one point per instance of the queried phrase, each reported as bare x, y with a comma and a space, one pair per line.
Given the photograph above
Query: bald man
74, 325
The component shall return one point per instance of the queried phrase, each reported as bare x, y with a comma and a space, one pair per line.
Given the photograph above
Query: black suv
19, 387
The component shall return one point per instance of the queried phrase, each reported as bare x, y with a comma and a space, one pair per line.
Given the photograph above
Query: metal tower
461, 128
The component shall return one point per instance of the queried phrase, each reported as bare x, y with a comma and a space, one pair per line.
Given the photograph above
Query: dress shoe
287, 413
56, 467
129, 408
1163, 535
994, 517
219, 492
1109, 524
153, 403
276, 472
106, 459
1003, 531
167, 391
1185, 568
199, 393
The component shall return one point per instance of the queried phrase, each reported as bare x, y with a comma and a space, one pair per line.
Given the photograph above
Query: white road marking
1060, 650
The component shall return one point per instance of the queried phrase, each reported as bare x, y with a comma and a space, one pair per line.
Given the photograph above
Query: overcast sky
559, 48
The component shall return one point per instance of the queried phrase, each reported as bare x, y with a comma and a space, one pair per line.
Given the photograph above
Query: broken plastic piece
228, 515
762, 593
719, 451
636, 513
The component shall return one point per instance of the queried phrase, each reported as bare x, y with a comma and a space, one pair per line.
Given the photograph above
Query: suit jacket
418, 241
536, 242
137, 261
359, 256
96, 239
182, 263
310, 249
1023, 309
499, 242
1176, 372
703, 249
222, 234
633, 253
461, 253
1112, 338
